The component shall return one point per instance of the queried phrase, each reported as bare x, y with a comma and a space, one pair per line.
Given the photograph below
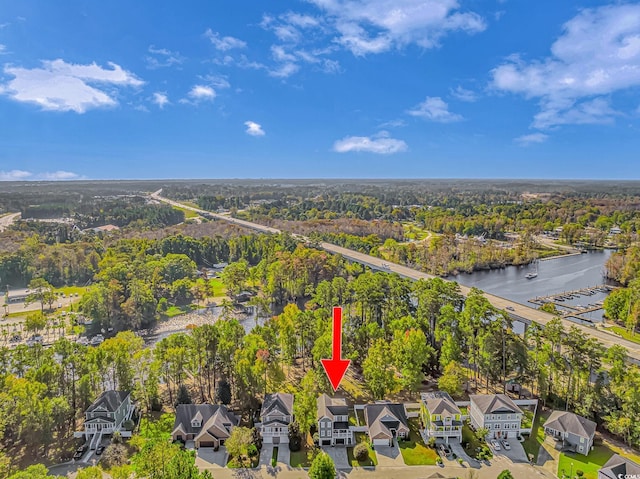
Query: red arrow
336, 367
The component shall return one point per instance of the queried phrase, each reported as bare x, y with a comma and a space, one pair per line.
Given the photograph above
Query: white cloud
15, 175
21, 175
59, 175
161, 57
526, 140
285, 70
463, 94
597, 55
62, 86
216, 81
3, 49
161, 99
434, 109
224, 43
202, 92
253, 128
374, 26
381, 144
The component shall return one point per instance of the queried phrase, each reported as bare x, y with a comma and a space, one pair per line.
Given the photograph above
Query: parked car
80, 452
506, 445
445, 450
99, 450
35, 339
96, 340
510, 308
15, 338
495, 444
83, 341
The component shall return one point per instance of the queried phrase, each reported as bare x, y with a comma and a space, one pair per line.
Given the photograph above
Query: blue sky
319, 88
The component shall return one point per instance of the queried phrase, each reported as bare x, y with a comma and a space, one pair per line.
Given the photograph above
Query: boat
531, 275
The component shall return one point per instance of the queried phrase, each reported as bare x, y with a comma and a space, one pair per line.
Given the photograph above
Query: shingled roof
565, 421
215, 419
382, 417
618, 466
332, 407
280, 402
494, 403
109, 401
439, 402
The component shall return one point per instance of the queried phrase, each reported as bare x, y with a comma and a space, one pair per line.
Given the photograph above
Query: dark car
446, 450
80, 452
15, 338
99, 450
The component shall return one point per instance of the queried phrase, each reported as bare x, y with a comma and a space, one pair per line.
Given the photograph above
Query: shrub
579, 472
252, 450
361, 452
128, 425
432, 442
114, 455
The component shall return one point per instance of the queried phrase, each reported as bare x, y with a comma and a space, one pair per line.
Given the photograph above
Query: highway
6, 220
517, 311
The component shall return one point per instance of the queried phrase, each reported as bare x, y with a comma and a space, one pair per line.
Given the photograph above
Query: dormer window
196, 423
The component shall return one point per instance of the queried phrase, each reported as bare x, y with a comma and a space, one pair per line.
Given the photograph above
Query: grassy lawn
360, 414
217, 287
414, 451
624, 333
372, 460
67, 290
472, 444
177, 310
187, 213
534, 441
355, 390
274, 456
304, 456
412, 231
527, 419
352, 418
588, 464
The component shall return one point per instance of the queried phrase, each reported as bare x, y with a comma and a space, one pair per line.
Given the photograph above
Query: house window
195, 424
582, 440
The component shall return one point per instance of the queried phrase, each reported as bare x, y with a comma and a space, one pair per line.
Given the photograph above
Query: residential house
275, 416
208, 425
575, 431
106, 414
440, 416
333, 422
385, 422
497, 413
617, 467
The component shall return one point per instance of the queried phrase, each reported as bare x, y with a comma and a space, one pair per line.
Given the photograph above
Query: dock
567, 295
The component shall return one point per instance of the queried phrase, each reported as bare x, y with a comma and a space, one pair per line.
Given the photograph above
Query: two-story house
207, 425
107, 413
275, 416
497, 413
385, 422
575, 431
333, 422
440, 416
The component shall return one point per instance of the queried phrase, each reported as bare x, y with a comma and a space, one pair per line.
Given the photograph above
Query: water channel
555, 276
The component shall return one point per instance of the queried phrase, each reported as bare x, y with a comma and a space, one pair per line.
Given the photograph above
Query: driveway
206, 456
459, 451
516, 453
389, 456
339, 456
284, 454
265, 454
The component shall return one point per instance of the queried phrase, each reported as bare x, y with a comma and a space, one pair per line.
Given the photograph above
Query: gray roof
109, 400
565, 421
439, 402
281, 402
382, 417
216, 419
331, 407
494, 403
619, 466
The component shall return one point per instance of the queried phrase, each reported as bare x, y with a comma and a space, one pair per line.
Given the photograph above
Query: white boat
531, 275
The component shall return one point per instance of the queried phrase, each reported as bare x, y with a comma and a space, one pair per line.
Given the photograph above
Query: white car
96, 340
495, 444
83, 341
506, 445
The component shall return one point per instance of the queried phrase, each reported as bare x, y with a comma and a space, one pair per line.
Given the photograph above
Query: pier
568, 295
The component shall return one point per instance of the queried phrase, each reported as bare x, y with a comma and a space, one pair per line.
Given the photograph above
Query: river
554, 276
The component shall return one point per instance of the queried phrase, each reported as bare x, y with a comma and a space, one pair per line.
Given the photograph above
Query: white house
333, 422
106, 415
275, 416
497, 413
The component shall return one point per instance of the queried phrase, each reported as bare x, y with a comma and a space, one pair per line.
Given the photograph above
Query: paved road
6, 220
516, 311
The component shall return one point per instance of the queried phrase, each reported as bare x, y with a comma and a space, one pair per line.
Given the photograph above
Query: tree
378, 371
93, 472
304, 407
411, 352
239, 441
223, 392
295, 438
361, 452
506, 474
452, 379
183, 396
322, 467
41, 291
35, 322
37, 471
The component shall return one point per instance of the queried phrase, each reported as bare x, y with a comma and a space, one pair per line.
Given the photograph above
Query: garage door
207, 444
381, 442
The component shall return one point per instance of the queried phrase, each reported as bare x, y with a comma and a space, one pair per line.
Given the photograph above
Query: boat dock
568, 295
